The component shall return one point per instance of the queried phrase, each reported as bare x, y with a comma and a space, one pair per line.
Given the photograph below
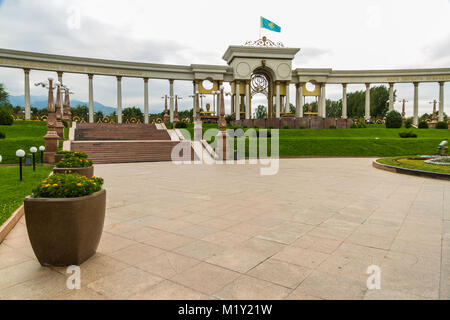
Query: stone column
27, 94
171, 101
287, 105
247, 100
344, 101
416, 104
278, 101
60, 79
298, 101
119, 99
91, 98
146, 100
237, 104
391, 96
367, 108
194, 97
441, 101
323, 101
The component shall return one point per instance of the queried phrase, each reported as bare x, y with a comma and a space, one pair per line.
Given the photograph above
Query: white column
287, 106
27, 94
237, 104
119, 99
416, 104
299, 101
171, 101
278, 101
323, 101
344, 101
367, 106
247, 100
194, 104
91, 98
391, 96
441, 101
146, 100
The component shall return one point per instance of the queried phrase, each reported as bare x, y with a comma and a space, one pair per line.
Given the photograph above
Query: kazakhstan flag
267, 24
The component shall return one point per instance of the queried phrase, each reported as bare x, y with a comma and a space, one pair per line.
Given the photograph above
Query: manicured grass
374, 141
12, 191
21, 135
403, 162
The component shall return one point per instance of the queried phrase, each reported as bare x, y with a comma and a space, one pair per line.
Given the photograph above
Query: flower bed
67, 186
75, 162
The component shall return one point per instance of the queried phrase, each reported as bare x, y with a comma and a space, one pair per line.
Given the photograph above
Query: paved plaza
226, 232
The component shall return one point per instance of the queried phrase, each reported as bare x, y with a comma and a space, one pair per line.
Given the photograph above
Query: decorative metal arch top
264, 42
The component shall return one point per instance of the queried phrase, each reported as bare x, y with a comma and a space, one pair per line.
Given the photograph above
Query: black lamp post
42, 149
20, 154
33, 151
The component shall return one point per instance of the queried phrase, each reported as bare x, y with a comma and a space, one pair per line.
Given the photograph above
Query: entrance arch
261, 82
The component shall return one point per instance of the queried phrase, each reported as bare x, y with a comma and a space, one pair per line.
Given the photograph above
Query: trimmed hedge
394, 119
423, 125
6, 118
441, 125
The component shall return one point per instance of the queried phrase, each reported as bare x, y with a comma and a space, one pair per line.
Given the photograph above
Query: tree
3, 96
394, 119
80, 111
133, 112
292, 108
379, 105
261, 112
334, 109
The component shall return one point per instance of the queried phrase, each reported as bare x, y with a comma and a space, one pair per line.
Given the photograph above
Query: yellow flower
79, 184
93, 177
55, 185
44, 186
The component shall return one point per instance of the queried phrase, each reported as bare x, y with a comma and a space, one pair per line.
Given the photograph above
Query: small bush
181, 125
358, 125
441, 125
245, 127
73, 154
409, 134
286, 127
74, 162
270, 128
256, 127
408, 123
6, 118
394, 119
65, 123
2, 135
332, 127
302, 127
67, 186
423, 125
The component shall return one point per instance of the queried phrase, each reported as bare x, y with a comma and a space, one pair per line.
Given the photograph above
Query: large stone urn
65, 231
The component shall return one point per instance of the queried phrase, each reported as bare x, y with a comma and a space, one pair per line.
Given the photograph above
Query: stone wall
295, 123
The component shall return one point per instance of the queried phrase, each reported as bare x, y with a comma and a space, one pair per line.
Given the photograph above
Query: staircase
124, 143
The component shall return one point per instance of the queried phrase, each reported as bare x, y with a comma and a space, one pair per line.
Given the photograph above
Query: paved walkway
208, 232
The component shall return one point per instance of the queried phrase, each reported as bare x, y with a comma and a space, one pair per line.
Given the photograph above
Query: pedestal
51, 146
198, 131
222, 145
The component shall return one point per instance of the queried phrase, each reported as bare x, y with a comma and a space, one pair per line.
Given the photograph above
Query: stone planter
87, 172
65, 232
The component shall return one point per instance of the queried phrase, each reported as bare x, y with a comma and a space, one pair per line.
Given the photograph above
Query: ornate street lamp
20, 154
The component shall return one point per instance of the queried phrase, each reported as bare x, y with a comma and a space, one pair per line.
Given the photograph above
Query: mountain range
40, 102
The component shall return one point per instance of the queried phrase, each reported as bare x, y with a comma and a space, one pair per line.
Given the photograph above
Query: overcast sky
345, 34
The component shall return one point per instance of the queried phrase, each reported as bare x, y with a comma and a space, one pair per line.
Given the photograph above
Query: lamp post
33, 151
20, 154
42, 149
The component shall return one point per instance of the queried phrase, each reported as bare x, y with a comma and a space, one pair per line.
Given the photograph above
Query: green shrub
74, 162
409, 134
358, 125
286, 127
245, 127
394, 119
423, 125
65, 123
181, 125
67, 186
73, 154
302, 127
256, 127
441, 125
332, 127
270, 128
6, 118
408, 123
2, 135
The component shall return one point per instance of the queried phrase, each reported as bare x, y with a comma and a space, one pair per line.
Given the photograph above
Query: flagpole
260, 25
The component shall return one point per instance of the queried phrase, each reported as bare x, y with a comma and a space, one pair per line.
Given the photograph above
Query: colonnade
243, 97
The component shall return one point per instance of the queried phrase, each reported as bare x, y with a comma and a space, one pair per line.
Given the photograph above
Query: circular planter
65, 232
87, 172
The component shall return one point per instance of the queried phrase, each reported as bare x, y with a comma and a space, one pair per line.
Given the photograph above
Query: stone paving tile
206, 278
248, 288
156, 246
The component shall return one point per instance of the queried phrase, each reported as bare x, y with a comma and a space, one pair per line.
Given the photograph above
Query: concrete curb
9, 224
419, 173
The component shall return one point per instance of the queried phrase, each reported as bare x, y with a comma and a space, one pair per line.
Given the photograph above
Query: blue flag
267, 24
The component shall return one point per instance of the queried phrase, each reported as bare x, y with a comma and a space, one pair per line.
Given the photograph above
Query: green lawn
12, 191
21, 135
374, 141
414, 164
